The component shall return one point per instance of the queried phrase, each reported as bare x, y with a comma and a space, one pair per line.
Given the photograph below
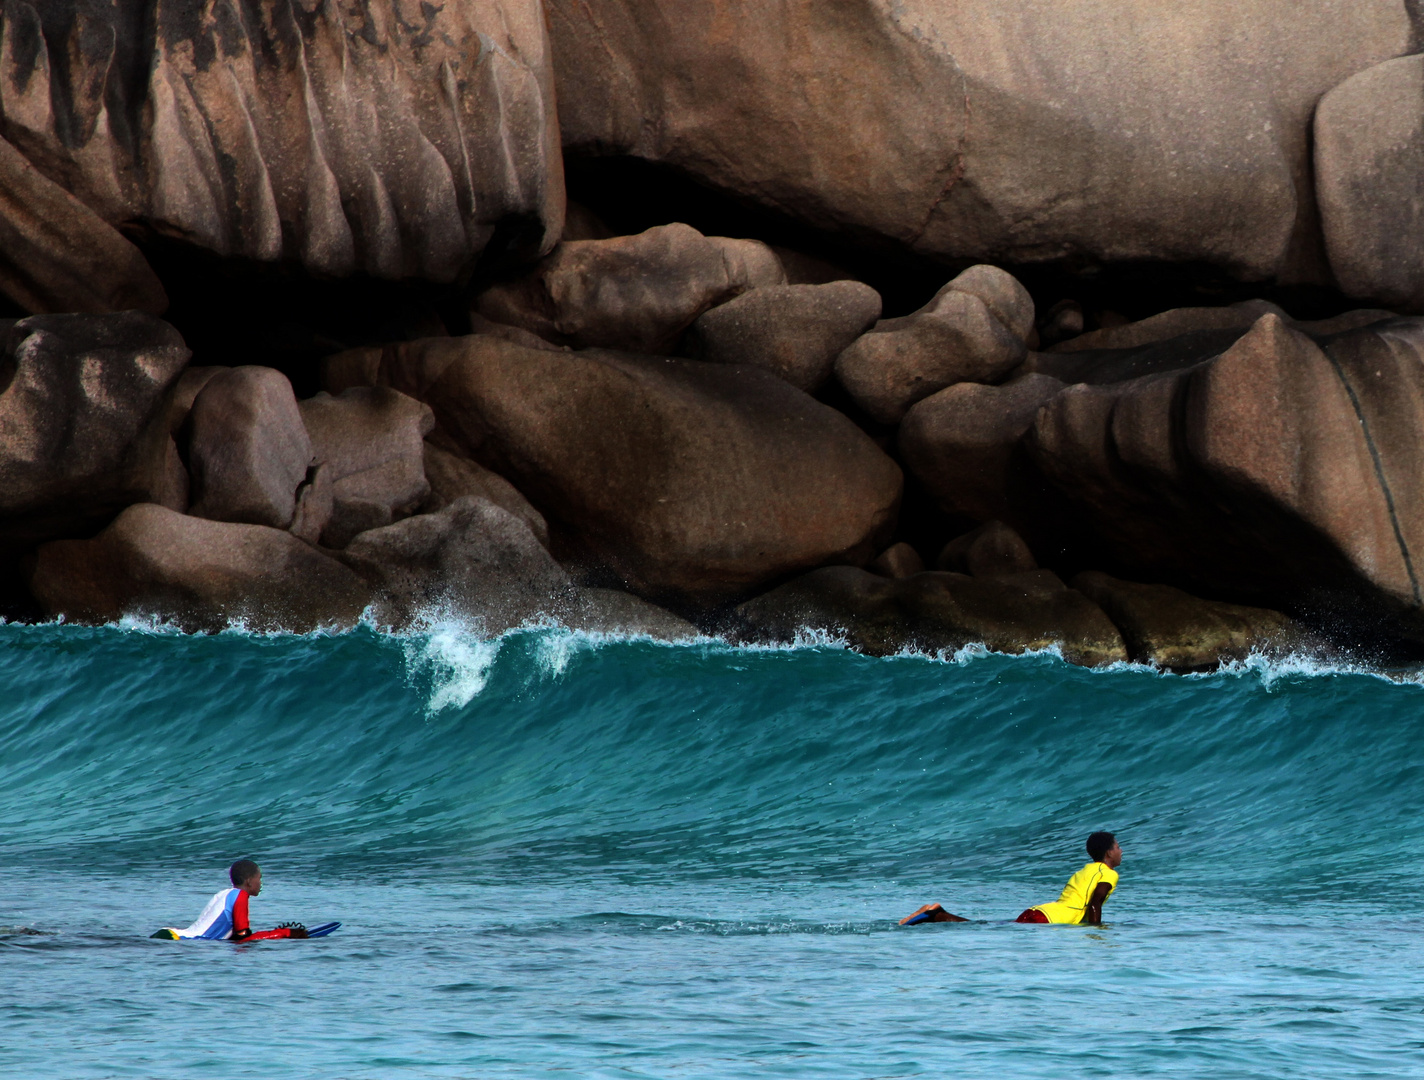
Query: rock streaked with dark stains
198, 574
387, 137
56, 254
937, 613
1286, 471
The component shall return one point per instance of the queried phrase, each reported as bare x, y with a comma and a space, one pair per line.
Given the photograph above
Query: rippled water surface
556, 856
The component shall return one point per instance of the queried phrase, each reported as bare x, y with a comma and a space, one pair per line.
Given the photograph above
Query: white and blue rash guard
225, 914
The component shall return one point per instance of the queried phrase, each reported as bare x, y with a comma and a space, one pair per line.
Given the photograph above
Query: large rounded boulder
248, 450
1008, 131
198, 574
1369, 159
693, 481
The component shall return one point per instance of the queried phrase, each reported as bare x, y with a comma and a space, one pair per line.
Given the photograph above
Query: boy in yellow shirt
1082, 898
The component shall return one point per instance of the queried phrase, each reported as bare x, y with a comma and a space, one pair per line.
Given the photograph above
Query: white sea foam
454, 656
457, 653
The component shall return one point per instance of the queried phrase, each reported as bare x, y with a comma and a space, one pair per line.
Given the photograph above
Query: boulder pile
652, 428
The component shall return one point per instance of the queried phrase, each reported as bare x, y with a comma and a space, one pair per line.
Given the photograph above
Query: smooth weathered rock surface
1285, 472
83, 429
372, 440
1009, 132
992, 550
974, 330
961, 443
201, 575
631, 292
696, 481
56, 254
1181, 632
936, 612
1369, 166
471, 560
248, 450
389, 137
794, 331
452, 477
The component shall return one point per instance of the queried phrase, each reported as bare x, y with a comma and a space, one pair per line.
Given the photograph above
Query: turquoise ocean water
562, 857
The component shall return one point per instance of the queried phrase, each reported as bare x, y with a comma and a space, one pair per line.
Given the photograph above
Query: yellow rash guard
1069, 907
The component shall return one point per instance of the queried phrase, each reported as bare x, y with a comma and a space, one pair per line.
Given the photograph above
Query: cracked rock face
1010, 131
389, 137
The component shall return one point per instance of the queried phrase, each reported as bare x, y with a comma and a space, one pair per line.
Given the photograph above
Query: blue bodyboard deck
323, 929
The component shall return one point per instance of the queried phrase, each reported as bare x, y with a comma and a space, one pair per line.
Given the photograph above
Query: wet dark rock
621, 614
198, 574
1175, 630
937, 613
472, 560
991, 550
897, 561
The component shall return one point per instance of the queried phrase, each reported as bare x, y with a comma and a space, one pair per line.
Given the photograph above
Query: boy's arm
1093, 916
241, 925
936, 914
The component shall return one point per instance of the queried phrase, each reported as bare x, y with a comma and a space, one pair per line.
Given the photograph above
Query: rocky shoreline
463, 392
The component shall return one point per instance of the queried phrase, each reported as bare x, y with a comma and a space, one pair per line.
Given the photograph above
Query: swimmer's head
246, 874
1099, 844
